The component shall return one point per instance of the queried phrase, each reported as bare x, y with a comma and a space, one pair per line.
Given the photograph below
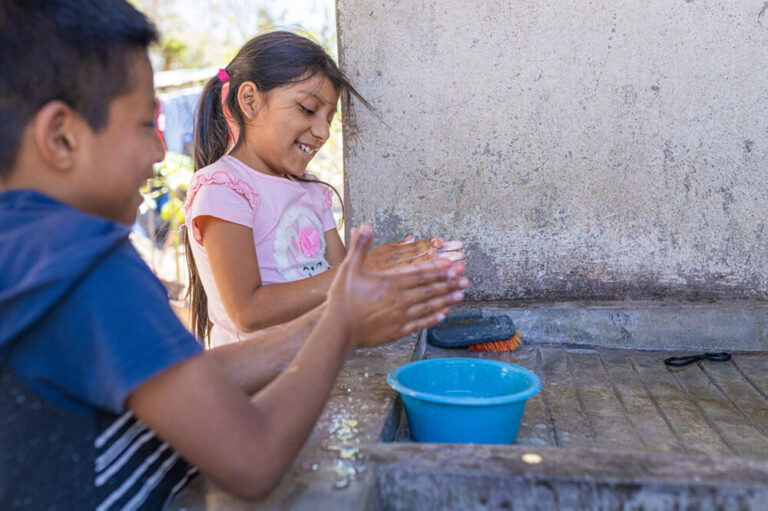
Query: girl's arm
246, 445
253, 306
334, 248
235, 267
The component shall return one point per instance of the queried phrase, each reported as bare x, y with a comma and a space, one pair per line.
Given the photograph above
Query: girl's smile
287, 126
307, 149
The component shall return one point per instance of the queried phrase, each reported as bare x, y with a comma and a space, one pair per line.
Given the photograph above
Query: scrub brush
475, 331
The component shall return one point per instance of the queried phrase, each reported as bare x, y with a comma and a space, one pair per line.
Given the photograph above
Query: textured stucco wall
604, 149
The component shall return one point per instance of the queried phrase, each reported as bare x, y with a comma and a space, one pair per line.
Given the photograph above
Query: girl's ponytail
211, 143
211, 131
198, 300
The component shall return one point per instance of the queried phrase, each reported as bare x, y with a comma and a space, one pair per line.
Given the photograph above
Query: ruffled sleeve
329, 222
326, 195
325, 190
221, 195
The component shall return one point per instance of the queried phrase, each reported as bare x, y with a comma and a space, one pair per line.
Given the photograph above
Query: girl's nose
320, 129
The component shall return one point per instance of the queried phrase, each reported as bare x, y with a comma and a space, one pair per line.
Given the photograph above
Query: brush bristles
498, 346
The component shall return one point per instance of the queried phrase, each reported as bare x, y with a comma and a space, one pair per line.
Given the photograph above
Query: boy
106, 401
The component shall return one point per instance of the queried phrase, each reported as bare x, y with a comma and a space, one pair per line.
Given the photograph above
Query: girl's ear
55, 132
250, 99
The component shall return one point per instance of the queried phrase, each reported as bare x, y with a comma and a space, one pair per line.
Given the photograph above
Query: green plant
165, 194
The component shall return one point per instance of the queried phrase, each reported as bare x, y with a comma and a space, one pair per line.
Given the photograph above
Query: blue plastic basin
464, 400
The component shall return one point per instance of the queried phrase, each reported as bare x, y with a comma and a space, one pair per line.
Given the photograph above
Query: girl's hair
269, 61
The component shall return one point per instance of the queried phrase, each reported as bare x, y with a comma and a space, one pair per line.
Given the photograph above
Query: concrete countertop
593, 399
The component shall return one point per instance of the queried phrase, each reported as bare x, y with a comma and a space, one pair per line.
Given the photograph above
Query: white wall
603, 149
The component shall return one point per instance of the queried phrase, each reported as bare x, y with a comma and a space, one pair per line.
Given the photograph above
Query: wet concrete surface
612, 428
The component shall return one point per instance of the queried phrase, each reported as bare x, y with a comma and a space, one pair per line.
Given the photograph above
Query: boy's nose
158, 149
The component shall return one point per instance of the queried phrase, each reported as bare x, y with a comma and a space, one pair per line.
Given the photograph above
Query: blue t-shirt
83, 322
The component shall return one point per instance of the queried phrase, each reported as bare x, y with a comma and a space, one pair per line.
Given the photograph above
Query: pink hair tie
223, 75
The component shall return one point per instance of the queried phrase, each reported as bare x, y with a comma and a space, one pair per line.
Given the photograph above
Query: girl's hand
409, 251
451, 250
383, 306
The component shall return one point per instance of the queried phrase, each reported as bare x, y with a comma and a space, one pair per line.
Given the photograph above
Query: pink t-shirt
288, 220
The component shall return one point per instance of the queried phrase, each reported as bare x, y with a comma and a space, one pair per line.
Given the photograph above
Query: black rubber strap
684, 361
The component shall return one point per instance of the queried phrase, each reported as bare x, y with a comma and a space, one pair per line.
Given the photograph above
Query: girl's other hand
383, 306
409, 251
451, 250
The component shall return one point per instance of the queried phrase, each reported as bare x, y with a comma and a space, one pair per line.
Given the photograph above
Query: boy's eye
306, 110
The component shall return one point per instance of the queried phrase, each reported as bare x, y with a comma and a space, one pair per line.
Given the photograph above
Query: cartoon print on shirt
300, 244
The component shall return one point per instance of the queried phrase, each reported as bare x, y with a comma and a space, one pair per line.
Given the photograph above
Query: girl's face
291, 124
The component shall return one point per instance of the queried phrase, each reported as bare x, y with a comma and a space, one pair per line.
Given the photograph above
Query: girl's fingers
451, 246
451, 256
414, 248
418, 258
428, 266
408, 239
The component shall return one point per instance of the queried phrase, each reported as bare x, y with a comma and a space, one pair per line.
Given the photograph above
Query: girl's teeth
305, 148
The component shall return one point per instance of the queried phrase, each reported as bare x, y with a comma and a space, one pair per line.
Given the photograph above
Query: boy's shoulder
46, 247
77, 296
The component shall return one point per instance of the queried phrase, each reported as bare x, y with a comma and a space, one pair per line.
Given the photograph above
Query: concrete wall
585, 150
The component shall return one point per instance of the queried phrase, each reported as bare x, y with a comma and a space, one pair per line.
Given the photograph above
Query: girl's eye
306, 110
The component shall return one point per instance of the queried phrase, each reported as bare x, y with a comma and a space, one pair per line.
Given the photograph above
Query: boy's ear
249, 98
55, 132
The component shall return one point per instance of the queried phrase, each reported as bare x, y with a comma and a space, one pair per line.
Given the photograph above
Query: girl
262, 243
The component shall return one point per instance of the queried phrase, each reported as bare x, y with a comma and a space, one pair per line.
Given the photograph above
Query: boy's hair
75, 51
268, 60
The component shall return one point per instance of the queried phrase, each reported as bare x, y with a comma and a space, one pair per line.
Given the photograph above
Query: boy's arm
246, 445
255, 362
252, 306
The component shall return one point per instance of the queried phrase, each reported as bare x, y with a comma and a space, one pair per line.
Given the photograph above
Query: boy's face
116, 161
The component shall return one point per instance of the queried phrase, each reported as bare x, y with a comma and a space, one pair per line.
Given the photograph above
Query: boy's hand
407, 251
383, 306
